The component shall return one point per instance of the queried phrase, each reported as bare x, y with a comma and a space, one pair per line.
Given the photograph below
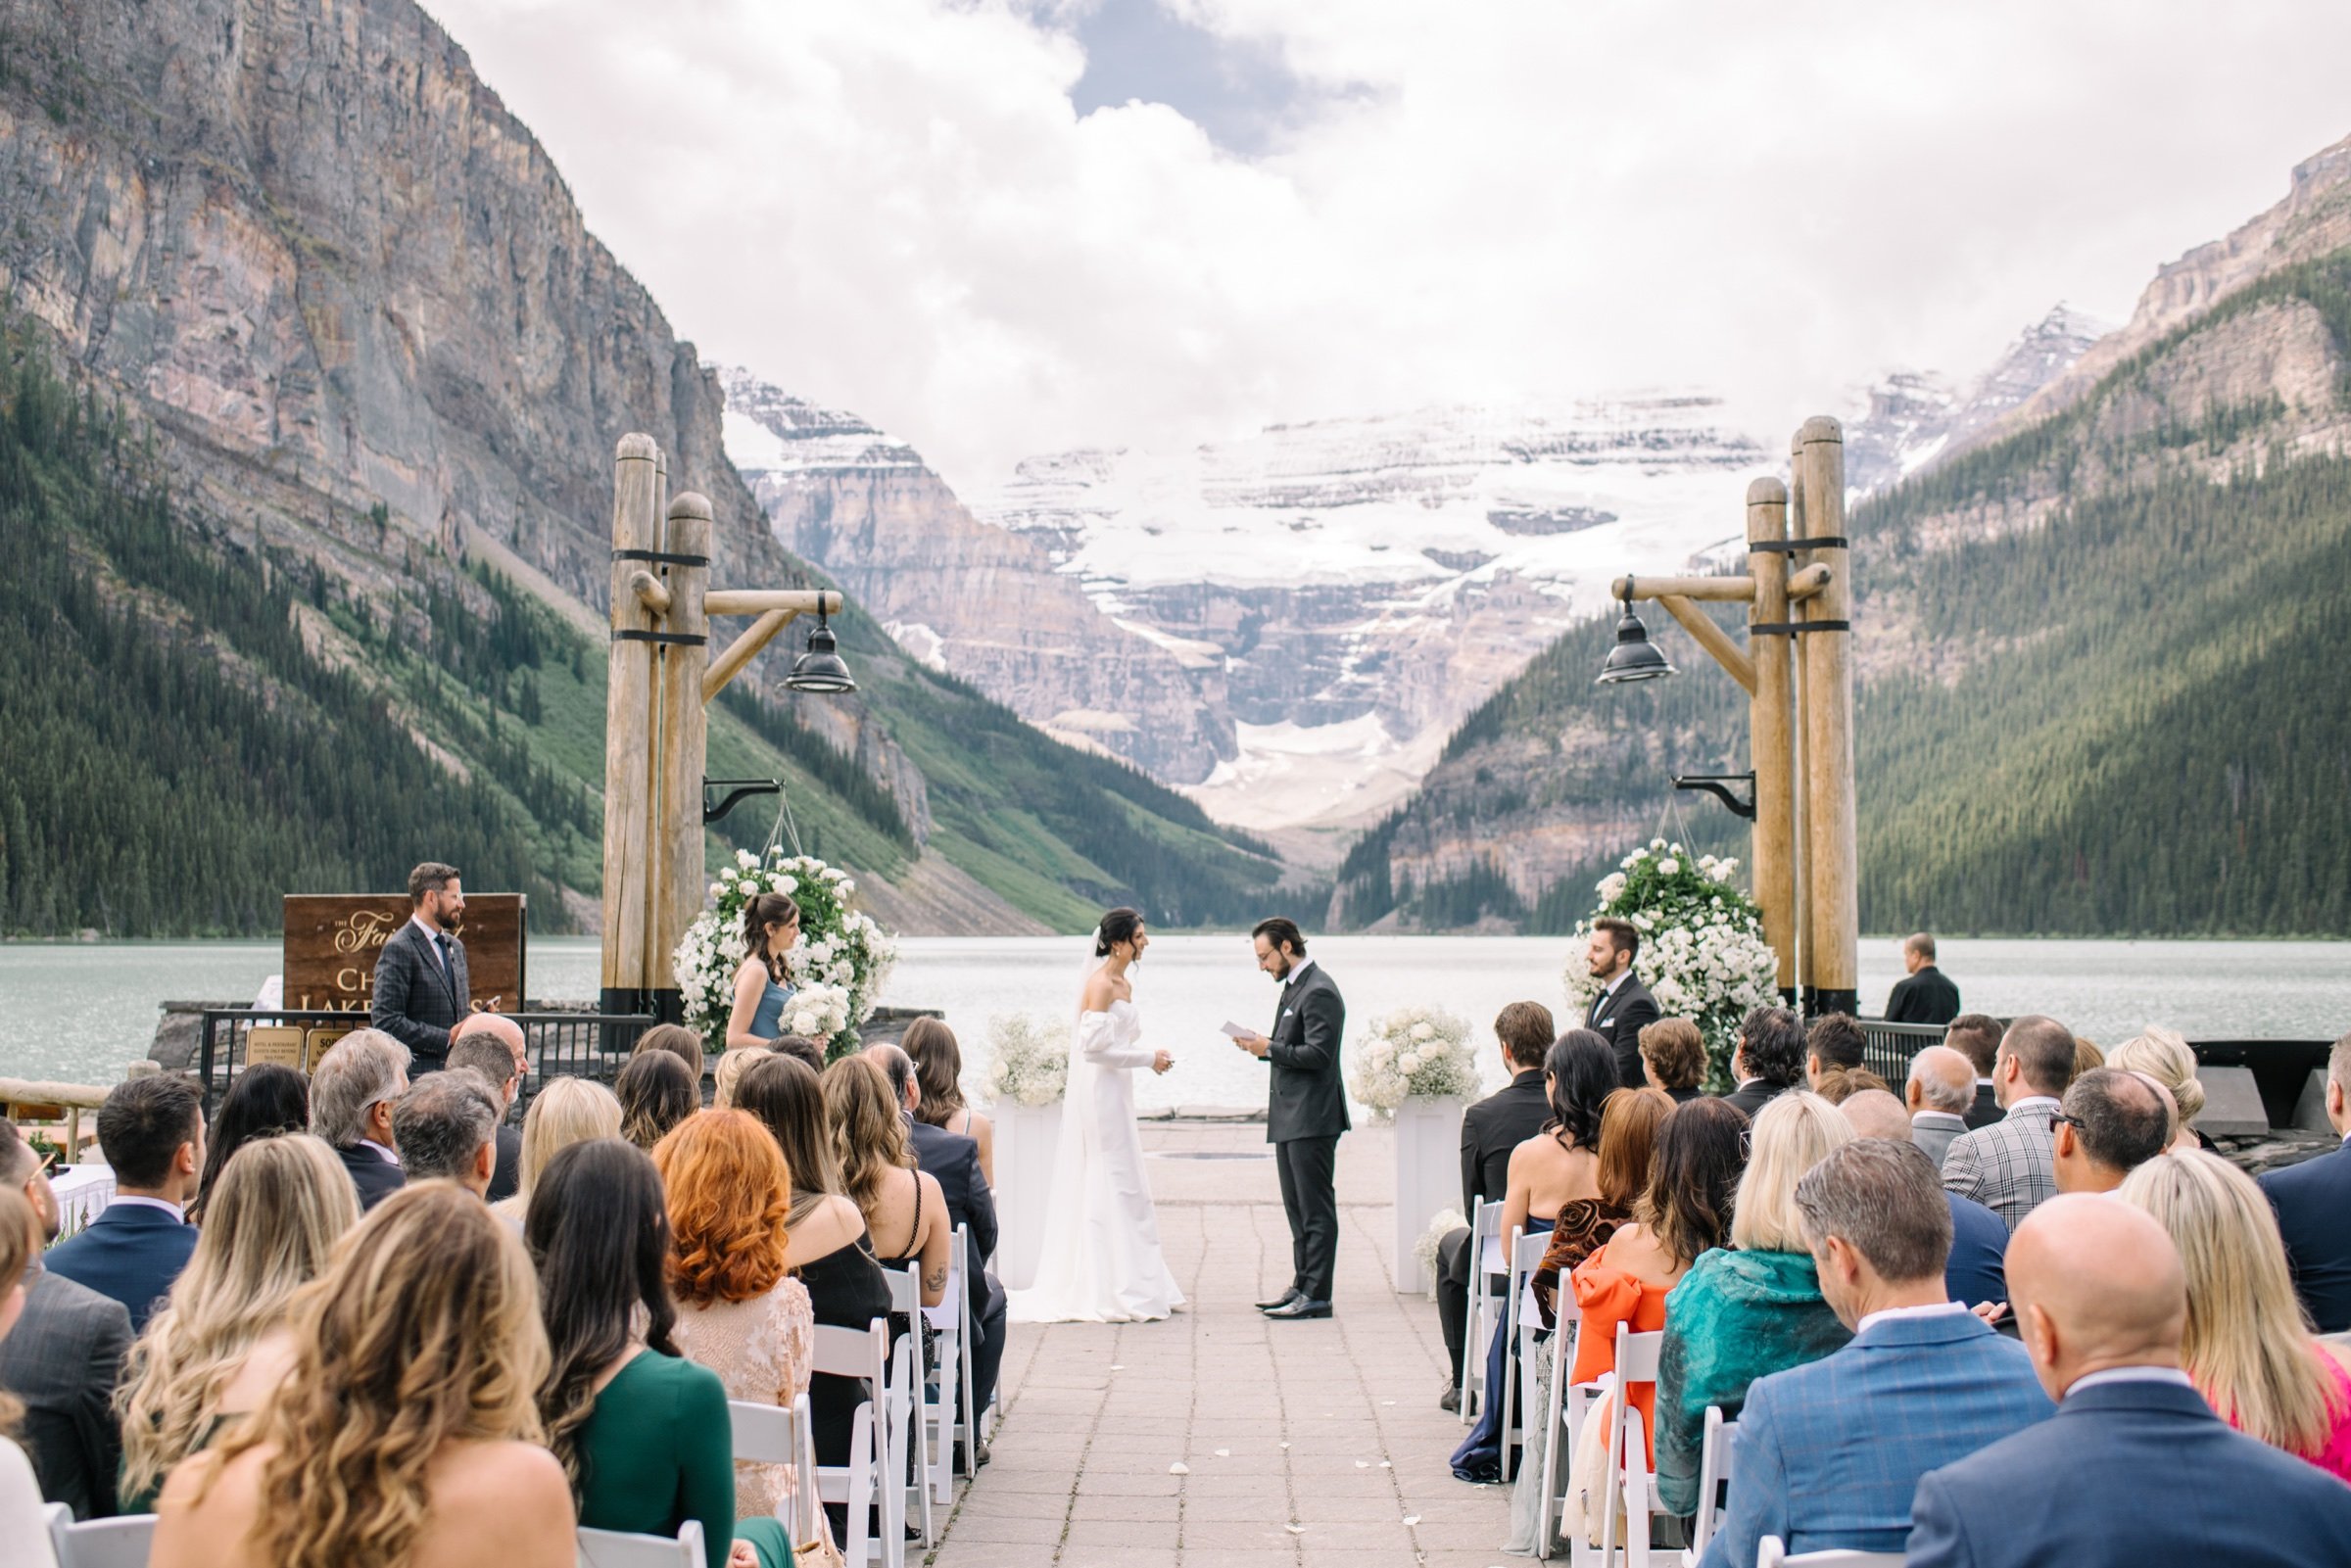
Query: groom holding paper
1305, 1111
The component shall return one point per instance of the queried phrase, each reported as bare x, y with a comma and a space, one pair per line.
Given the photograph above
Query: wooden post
1799, 793
1769, 716
1833, 860
685, 730
628, 737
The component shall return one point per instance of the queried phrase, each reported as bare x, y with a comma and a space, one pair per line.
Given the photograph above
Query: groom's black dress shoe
1283, 1300
1301, 1307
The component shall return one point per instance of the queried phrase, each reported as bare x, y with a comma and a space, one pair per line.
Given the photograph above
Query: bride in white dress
1099, 1262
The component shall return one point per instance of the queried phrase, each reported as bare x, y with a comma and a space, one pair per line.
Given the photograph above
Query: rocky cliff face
979, 602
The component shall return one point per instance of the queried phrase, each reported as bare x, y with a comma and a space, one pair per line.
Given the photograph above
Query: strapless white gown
1099, 1260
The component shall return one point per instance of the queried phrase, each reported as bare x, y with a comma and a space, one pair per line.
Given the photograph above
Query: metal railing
562, 1045
1886, 1048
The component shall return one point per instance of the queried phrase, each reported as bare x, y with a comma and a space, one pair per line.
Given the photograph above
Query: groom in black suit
1623, 1008
1305, 1112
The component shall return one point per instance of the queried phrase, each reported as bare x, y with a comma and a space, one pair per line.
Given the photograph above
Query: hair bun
1101, 946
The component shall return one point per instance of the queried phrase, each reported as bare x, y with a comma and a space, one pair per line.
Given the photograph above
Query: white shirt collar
2049, 1100
1930, 1110
430, 935
2131, 1374
1888, 1315
1983, 1083
1299, 973
1613, 987
389, 1155
142, 1201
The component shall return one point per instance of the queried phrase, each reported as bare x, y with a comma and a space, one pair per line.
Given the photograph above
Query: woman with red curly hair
739, 1312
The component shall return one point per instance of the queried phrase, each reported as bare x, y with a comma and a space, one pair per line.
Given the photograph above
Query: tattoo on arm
935, 1278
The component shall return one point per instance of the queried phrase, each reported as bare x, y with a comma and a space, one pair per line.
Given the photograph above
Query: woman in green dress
641, 1431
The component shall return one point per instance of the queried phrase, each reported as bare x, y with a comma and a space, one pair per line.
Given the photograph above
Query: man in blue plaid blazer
2010, 1166
1828, 1454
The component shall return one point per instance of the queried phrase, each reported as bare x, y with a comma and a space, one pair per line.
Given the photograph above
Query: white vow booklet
1237, 1031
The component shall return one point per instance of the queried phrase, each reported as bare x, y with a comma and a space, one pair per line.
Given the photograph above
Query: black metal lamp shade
1634, 657
820, 669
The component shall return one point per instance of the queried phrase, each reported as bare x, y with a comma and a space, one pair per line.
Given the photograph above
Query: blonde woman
905, 1211
2249, 1348
218, 1347
566, 1112
2165, 1056
1755, 1307
407, 1431
21, 1524
724, 1076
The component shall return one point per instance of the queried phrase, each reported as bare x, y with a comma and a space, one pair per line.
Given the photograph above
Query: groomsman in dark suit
1623, 1006
150, 1132
1924, 995
421, 988
1305, 1112
1977, 1037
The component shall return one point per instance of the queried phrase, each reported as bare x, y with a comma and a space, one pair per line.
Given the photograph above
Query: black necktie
449, 971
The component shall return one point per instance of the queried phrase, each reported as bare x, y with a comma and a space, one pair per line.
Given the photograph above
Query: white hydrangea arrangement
1413, 1053
1703, 953
840, 950
1441, 1225
1028, 1061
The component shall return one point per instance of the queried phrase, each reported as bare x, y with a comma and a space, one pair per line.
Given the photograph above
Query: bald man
492, 1045
1940, 1089
2134, 1468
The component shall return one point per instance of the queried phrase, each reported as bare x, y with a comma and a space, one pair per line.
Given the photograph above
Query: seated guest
1834, 1044
2311, 1199
2110, 1123
825, 1243
2087, 1056
151, 1130
22, 1510
800, 1048
1924, 994
446, 1127
566, 1112
264, 1101
2134, 1467
406, 1430
641, 1431
1751, 1309
2009, 1167
1673, 1058
1628, 1133
1490, 1129
61, 1362
1841, 1084
905, 1212
1923, 1382
1557, 1167
953, 1162
1977, 1037
476, 1044
679, 1041
494, 1061
1684, 1213
656, 1092
740, 1311
729, 1069
351, 1095
2166, 1057
218, 1347
2247, 1347
939, 1063
1769, 1059
1971, 1271
1940, 1089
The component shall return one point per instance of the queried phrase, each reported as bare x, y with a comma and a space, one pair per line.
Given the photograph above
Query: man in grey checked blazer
2010, 1166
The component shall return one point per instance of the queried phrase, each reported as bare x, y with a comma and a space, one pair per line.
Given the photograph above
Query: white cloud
890, 206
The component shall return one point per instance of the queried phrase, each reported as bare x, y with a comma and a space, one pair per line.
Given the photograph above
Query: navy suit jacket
1828, 1454
376, 1177
954, 1161
2130, 1473
129, 1252
2313, 1201
1977, 1270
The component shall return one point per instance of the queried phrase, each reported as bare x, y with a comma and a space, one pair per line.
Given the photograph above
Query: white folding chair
778, 1434
99, 1543
1714, 1470
948, 1413
617, 1549
1772, 1553
1518, 1326
1631, 1483
909, 1391
860, 1485
1485, 1263
1564, 1406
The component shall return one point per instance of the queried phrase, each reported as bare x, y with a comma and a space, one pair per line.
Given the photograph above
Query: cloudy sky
998, 227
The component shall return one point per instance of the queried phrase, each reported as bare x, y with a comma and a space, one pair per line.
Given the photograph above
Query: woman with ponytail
771, 923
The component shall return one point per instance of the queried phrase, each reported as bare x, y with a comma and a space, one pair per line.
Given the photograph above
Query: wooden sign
334, 939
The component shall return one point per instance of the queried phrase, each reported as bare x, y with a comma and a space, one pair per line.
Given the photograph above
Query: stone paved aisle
1313, 1445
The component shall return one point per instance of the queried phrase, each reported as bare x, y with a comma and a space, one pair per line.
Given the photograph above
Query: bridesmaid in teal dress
641, 1431
770, 925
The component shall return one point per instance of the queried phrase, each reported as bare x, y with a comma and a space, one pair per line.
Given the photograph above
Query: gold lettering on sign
366, 929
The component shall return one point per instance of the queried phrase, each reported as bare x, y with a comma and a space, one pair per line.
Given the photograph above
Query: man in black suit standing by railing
1924, 995
421, 988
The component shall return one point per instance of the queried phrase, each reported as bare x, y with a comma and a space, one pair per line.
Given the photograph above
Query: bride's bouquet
1028, 1063
1413, 1053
